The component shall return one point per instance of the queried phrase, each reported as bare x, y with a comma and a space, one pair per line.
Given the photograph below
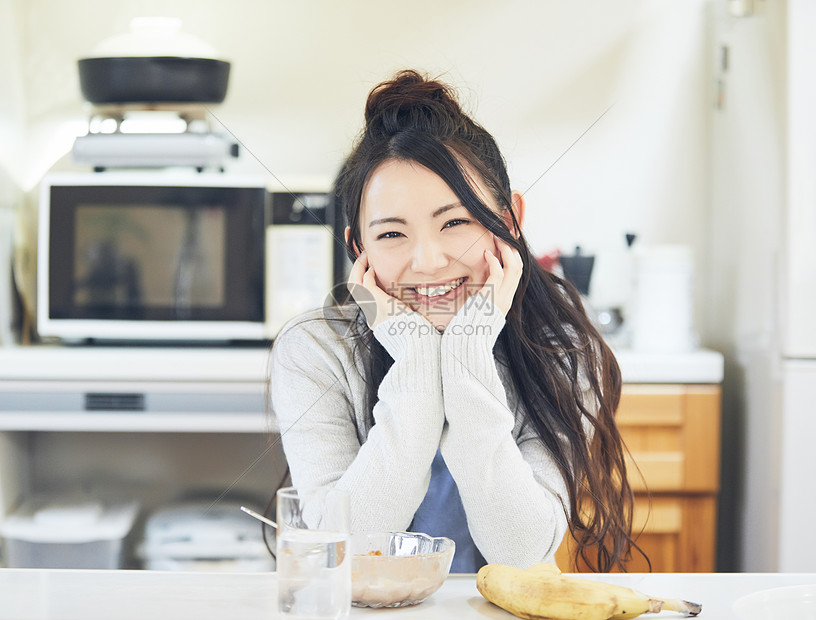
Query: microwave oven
169, 255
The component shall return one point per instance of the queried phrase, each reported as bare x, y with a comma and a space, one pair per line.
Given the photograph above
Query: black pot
153, 79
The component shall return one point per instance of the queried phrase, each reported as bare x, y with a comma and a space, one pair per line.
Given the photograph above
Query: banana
542, 592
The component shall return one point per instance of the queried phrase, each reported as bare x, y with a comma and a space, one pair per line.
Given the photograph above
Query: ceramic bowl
396, 569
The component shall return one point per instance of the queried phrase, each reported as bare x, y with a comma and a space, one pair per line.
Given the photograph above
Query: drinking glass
313, 554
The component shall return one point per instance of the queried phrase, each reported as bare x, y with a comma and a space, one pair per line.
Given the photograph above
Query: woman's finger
510, 255
504, 275
376, 304
358, 269
492, 288
362, 285
512, 262
359, 284
370, 280
496, 273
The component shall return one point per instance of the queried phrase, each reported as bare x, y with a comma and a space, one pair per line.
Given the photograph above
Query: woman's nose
429, 256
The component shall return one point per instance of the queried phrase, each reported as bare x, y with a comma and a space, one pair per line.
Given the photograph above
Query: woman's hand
505, 275
376, 304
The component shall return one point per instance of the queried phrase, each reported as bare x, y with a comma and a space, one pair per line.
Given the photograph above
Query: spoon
260, 517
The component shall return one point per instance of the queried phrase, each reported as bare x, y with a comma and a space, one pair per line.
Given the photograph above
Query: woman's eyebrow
400, 220
387, 220
445, 208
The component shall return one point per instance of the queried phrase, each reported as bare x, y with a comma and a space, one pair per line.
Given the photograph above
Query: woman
464, 392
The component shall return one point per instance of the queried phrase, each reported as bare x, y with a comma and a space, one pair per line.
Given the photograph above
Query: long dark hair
551, 348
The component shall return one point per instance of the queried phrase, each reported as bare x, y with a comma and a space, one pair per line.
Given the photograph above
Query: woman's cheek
382, 280
382, 274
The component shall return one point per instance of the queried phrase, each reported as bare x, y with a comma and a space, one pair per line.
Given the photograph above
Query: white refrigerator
763, 287
797, 497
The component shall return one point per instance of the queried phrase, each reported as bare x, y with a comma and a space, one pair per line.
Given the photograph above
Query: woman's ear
357, 249
517, 205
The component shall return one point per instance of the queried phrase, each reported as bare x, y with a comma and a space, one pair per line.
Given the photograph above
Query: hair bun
410, 101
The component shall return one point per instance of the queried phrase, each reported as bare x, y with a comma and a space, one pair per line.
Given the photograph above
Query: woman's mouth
438, 291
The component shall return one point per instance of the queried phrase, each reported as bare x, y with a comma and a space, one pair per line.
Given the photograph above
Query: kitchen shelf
138, 363
226, 385
101, 422
217, 390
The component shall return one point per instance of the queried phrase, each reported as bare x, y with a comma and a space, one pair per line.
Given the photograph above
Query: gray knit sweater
443, 391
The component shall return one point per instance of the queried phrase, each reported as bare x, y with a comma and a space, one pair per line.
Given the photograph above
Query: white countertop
234, 364
36, 594
700, 366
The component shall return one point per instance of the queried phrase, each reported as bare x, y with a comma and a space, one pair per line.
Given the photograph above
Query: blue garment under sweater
441, 513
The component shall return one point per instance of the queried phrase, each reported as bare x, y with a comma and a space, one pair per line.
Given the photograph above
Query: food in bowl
396, 569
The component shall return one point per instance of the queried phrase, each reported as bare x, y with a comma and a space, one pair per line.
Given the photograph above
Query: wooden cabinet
672, 433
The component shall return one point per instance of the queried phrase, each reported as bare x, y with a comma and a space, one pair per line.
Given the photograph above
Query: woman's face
425, 247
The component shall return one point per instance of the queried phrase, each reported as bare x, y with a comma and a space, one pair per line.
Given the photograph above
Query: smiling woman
463, 392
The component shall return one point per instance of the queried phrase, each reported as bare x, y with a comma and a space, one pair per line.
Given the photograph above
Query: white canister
662, 306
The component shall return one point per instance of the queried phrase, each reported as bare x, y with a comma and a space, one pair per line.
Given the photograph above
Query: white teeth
436, 291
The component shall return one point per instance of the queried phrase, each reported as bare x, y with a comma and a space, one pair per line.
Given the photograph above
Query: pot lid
154, 36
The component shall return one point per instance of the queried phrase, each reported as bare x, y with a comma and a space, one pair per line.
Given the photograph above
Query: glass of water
313, 554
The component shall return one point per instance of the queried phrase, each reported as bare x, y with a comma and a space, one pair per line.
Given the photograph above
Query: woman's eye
389, 235
455, 222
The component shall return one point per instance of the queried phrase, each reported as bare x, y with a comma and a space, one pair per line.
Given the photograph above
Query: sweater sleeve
312, 385
512, 491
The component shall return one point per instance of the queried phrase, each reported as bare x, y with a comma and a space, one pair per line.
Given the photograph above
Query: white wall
12, 163
12, 108
536, 73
